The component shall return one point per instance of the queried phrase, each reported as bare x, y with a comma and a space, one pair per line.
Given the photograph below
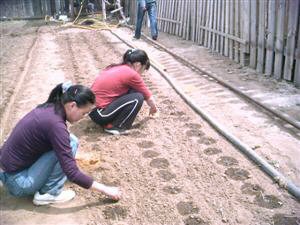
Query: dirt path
173, 169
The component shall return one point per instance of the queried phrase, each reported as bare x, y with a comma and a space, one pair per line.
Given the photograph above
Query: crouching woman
38, 156
120, 92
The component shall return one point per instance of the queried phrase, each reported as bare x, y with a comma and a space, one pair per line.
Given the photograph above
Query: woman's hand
111, 192
152, 105
152, 111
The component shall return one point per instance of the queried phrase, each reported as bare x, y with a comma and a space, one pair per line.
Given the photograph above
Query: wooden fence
26, 9
262, 34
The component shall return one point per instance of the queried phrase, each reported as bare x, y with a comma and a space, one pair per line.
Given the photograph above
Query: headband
66, 85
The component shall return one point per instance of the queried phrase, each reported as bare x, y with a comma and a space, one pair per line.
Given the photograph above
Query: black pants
121, 112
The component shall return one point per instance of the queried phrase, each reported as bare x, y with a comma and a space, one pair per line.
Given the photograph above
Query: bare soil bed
173, 169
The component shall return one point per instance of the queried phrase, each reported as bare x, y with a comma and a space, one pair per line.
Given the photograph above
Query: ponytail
134, 55
66, 92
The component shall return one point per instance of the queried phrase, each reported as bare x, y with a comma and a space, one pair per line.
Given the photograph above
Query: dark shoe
154, 38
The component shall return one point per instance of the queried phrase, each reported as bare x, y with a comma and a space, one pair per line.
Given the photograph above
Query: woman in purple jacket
38, 156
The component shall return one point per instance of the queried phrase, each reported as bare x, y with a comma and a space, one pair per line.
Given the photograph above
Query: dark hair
78, 93
134, 55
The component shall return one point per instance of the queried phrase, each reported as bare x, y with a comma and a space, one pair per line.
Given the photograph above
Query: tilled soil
172, 169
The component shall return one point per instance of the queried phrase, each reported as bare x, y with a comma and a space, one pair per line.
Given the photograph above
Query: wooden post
297, 56
203, 22
237, 21
219, 2
103, 11
245, 29
71, 7
293, 15
226, 27
214, 26
231, 27
279, 40
193, 20
222, 26
183, 15
210, 26
253, 33
179, 17
270, 38
261, 37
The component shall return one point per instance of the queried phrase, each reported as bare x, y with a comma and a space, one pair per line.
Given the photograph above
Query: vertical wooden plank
186, 32
210, 26
158, 4
297, 55
161, 10
171, 11
261, 37
231, 28
222, 26
170, 25
167, 8
183, 12
253, 39
207, 24
226, 27
279, 40
214, 25
270, 38
164, 24
237, 21
179, 17
193, 20
218, 25
293, 18
184, 15
175, 10
203, 21
198, 19
188, 20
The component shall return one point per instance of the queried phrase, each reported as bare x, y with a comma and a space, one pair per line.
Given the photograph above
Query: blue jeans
151, 9
45, 175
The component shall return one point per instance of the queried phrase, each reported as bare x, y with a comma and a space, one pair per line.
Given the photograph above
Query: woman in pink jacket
120, 92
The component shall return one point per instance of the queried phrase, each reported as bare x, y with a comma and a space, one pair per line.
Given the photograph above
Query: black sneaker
154, 38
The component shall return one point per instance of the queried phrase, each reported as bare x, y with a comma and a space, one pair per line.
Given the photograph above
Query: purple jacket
40, 131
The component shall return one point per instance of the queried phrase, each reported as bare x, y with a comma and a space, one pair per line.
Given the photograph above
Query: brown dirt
174, 169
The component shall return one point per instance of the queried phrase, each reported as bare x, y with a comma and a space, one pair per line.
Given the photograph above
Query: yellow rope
81, 6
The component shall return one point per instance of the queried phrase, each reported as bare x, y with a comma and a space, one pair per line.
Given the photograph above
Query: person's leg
121, 112
57, 178
139, 21
152, 11
29, 181
127, 115
96, 116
